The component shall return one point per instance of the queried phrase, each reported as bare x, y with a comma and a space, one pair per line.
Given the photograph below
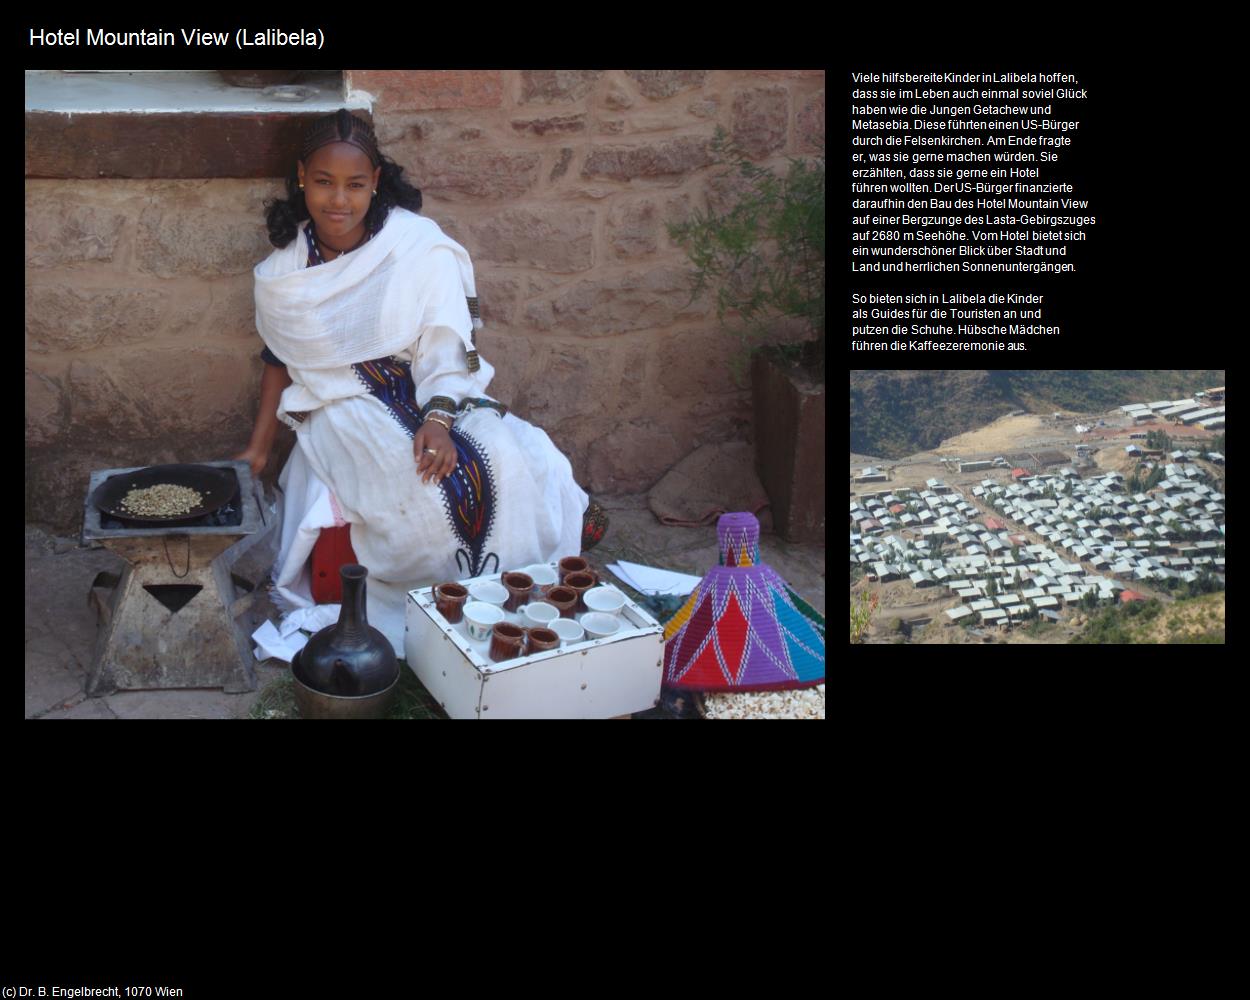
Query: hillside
1194, 620
897, 413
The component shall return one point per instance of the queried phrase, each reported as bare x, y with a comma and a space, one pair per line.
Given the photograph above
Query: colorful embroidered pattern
470, 403
469, 498
594, 525
444, 403
390, 380
469, 491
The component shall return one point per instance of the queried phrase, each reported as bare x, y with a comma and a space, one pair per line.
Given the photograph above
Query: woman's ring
431, 451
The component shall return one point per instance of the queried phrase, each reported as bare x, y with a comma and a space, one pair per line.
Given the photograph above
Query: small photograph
1037, 506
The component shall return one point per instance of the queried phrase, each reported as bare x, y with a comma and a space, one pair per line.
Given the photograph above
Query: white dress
510, 502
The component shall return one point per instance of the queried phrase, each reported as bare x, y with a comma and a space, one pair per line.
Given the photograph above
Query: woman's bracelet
431, 417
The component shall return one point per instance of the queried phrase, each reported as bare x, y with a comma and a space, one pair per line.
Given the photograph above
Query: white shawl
367, 304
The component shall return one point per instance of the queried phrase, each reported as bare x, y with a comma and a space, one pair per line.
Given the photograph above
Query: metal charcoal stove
169, 620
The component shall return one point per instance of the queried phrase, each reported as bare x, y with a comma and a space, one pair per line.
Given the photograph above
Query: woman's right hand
254, 457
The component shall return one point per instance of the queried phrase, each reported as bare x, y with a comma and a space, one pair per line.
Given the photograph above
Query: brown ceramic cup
449, 599
519, 586
580, 583
506, 641
564, 599
539, 640
572, 564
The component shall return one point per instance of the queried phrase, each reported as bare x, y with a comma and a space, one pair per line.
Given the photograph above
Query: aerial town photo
1037, 506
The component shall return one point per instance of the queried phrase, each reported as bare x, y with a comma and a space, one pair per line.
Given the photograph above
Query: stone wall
140, 342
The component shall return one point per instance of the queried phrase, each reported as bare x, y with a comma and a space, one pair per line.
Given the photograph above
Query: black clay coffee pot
350, 658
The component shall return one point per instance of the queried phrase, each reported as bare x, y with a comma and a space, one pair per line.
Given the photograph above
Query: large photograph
1037, 506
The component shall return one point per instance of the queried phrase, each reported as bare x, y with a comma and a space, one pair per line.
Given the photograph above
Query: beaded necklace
314, 251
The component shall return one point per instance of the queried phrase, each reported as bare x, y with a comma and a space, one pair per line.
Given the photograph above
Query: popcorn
808, 703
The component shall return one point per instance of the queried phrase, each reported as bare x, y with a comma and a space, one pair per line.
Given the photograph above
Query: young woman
368, 312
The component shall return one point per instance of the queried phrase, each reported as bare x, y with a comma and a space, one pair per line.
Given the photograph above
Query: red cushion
332, 552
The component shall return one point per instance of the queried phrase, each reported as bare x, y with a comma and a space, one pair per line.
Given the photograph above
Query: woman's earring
301, 187
375, 191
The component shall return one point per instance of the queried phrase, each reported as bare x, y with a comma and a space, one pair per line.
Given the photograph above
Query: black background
1146, 276
1080, 303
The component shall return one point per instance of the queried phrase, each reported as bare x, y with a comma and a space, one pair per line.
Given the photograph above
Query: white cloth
426, 302
272, 645
365, 304
284, 641
353, 461
656, 582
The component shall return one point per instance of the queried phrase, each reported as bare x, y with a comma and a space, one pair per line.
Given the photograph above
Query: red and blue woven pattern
743, 628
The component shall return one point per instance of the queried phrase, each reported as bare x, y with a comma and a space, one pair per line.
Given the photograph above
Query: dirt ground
1007, 434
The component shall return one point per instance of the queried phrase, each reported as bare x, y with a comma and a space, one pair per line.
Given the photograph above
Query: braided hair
284, 216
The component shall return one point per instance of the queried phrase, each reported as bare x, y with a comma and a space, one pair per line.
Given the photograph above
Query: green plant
765, 255
412, 700
861, 612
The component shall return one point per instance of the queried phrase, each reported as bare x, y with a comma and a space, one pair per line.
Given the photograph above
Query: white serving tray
590, 679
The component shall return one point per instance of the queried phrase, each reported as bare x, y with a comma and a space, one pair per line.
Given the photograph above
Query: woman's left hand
434, 451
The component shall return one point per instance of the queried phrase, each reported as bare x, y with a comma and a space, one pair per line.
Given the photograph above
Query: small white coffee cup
568, 630
489, 592
542, 575
600, 626
480, 618
606, 600
540, 615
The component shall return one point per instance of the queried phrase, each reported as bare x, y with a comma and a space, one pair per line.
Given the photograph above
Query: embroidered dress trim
474, 362
390, 381
445, 404
468, 491
470, 403
469, 500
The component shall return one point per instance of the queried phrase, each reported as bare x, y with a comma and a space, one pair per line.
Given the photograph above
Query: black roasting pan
218, 486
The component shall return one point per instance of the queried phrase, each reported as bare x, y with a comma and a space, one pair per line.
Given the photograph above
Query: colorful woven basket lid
743, 628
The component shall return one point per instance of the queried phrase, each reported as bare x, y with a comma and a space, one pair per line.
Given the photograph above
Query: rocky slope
895, 413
